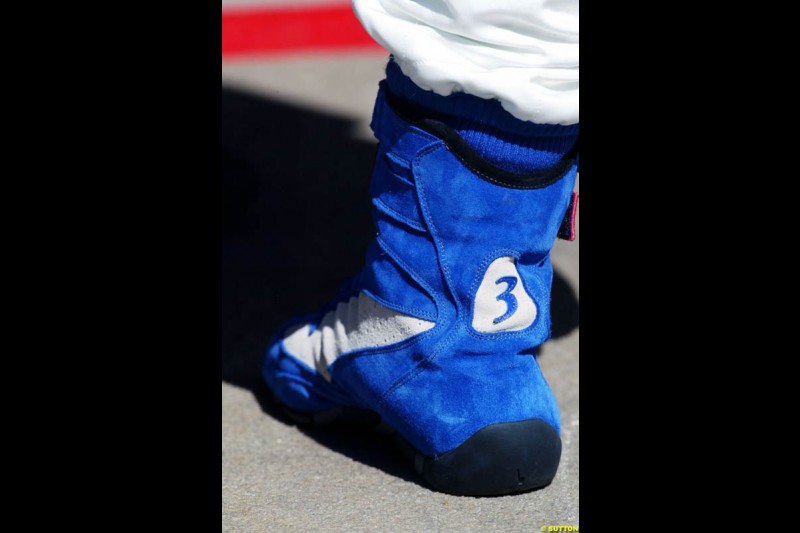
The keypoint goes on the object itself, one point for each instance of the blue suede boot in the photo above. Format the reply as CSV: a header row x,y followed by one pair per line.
x,y
436,335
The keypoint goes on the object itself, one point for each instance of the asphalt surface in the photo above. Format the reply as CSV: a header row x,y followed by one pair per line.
x,y
297,152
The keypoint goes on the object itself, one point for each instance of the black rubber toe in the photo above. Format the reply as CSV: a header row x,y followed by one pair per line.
x,y
498,459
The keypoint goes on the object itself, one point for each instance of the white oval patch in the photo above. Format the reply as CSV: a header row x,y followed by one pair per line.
x,y
501,302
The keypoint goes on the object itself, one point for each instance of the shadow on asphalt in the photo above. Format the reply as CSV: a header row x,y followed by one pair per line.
x,y
295,224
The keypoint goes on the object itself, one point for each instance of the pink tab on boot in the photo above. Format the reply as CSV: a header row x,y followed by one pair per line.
x,y
567,229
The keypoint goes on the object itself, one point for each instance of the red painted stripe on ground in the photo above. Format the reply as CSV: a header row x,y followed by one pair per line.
x,y
282,30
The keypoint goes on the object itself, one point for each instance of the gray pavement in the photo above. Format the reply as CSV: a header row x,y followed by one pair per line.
x,y
276,476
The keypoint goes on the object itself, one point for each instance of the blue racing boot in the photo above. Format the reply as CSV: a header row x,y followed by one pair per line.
x,y
436,335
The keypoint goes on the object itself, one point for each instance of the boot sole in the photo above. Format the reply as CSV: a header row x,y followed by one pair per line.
x,y
499,459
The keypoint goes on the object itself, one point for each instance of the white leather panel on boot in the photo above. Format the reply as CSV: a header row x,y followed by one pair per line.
x,y
358,323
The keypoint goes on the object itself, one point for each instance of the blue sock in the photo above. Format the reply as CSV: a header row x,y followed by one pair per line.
x,y
510,143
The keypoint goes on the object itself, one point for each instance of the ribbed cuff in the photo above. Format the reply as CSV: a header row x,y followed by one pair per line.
x,y
470,109
507,141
